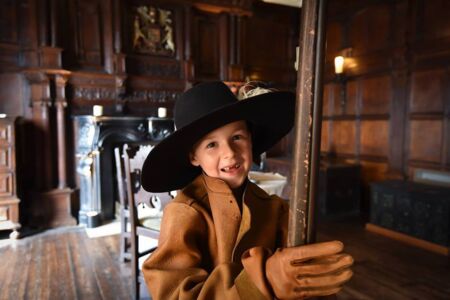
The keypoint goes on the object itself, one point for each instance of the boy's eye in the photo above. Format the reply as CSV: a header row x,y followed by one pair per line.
x,y
211,145
237,137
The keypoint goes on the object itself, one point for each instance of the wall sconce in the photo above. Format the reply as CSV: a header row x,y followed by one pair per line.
x,y
341,79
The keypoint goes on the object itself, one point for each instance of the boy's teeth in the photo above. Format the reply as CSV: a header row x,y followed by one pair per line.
x,y
226,169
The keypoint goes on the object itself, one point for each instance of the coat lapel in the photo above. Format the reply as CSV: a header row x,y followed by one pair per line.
x,y
226,215
258,218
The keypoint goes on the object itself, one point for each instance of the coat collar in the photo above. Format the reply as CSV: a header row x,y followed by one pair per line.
x,y
231,225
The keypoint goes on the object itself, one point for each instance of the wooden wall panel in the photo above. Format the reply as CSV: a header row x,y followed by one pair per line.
x,y
335,39
435,18
352,97
426,140
343,137
331,100
374,138
324,140
269,39
207,52
89,35
369,30
376,95
8,22
327,100
427,89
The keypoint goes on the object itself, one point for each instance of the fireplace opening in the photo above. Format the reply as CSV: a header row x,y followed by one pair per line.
x,y
96,138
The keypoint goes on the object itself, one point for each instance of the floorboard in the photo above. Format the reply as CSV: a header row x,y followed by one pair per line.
x,y
66,263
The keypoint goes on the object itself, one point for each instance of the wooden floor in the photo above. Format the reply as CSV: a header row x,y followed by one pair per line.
x,y
387,269
66,264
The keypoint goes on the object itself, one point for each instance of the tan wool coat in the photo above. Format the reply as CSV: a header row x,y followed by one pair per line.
x,y
209,249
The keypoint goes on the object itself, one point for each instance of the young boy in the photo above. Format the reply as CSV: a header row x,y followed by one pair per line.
x,y
220,235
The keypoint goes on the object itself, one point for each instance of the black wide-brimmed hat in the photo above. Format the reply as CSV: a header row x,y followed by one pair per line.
x,y
202,109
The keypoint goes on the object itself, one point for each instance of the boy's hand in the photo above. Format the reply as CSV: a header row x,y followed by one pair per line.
x,y
307,271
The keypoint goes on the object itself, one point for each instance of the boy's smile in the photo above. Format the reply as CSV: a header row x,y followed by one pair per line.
x,y
225,153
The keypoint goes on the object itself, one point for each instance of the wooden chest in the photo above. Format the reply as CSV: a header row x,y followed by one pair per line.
x,y
415,209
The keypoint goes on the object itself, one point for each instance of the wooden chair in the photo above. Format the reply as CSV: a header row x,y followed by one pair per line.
x,y
145,209
124,214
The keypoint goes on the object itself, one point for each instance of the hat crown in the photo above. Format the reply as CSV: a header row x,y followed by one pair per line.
x,y
200,101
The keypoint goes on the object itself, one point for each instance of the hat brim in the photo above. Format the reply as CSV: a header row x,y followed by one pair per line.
x,y
167,167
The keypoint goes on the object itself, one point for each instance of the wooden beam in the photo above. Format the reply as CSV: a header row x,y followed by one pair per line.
x,y
308,124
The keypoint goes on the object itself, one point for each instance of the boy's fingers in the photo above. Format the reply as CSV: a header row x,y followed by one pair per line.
x,y
323,282
302,253
325,265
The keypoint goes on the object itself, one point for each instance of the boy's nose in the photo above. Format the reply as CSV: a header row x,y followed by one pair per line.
x,y
228,150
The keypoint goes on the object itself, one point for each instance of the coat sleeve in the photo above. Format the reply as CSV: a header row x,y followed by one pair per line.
x,y
254,259
175,270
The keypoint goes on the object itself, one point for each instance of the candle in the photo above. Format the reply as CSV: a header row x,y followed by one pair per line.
x,y
162,112
97,110
339,64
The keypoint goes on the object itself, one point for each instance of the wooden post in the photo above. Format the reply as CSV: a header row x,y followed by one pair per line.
x,y
308,120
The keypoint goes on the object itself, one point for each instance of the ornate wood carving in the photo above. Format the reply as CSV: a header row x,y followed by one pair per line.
x,y
153,30
153,96
94,93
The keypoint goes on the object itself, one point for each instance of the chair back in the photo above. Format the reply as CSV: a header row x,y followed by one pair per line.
x,y
143,221
134,156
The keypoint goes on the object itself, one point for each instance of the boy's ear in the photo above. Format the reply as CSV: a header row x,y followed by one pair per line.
x,y
193,160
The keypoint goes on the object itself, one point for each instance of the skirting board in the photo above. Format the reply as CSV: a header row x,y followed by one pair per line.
x,y
408,239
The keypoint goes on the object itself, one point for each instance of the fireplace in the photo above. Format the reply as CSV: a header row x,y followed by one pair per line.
x,y
95,140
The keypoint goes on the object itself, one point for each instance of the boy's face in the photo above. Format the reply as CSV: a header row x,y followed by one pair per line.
x,y
225,153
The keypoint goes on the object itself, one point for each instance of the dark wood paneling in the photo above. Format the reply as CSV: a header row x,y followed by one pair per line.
x,y
370,29
8,22
426,140
343,137
433,19
207,53
374,138
397,94
269,39
376,94
90,20
328,100
427,91
324,141
352,98
335,39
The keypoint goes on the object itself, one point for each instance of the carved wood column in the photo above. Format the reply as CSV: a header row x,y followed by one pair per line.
x,y
61,104
60,199
50,198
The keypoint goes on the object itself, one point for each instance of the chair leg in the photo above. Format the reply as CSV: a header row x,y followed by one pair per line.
x,y
135,266
125,243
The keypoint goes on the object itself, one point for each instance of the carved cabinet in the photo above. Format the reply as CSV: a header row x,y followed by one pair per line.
x,y
9,203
